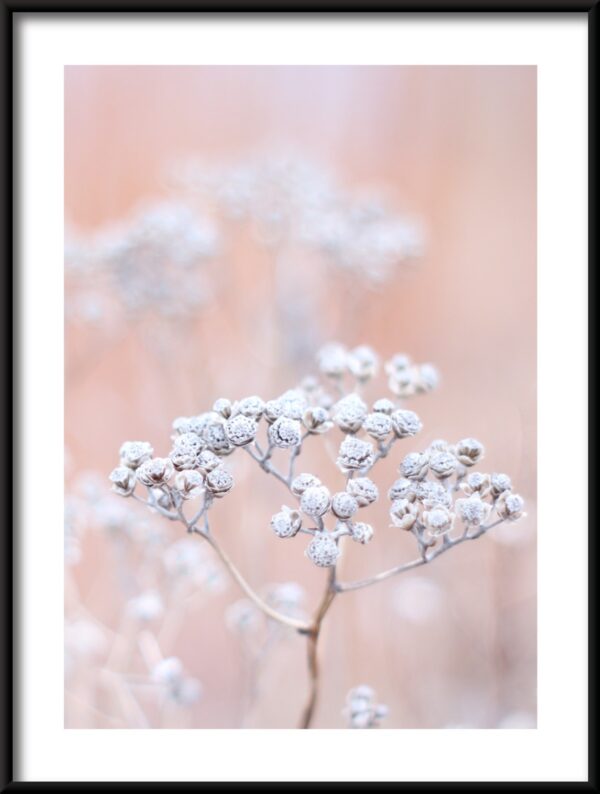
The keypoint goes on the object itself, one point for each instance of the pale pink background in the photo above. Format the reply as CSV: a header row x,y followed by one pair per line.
x,y
457,146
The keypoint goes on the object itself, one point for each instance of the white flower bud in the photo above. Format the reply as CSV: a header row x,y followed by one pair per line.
x,y
156,471
302,482
189,483
273,410
477,483
216,438
403,513
361,532
134,453
402,489
315,501
500,483
363,490
323,550
397,364
123,480
287,523
332,360
240,430
207,461
168,671
406,423
223,407
363,362
190,442
354,455
415,465
219,481
469,451
146,606
510,506
285,433
473,511
378,426
428,378
438,521
432,494
344,505
350,413
443,464
252,407
383,406
316,420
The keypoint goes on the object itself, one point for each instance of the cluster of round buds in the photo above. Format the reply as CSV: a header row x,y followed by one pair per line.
x,y
361,709
406,379
355,455
287,523
323,550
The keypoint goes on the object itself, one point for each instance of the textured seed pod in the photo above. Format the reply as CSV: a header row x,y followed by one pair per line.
x,y
315,501
323,551
361,532
134,453
219,481
344,505
302,482
287,523
156,471
363,490
469,451
240,430
123,480
285,433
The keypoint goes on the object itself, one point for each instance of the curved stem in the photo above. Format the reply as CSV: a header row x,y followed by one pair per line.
x,y
312,649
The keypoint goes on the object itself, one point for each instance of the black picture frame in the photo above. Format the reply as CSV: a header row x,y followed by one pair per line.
x,y
9,99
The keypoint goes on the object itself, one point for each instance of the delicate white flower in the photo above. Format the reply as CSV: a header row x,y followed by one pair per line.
x,y
287,523
207,461
240,430
469,451
383,406
216,438
402,489
355,454
415,465
252,407
397,364
302,482
440,445
189,442
293,404
123,480
323,550
350,413
500,483
510,506
438,521
428,378
403,513
315,501
316,420
378,426
432,494
285,433
443,464
344,505
273,410
219,481
223,407
473,510
156,471
193,424
184,458
476,483
189,483
406,423
332,360
363,490
363,362
361,532
134,453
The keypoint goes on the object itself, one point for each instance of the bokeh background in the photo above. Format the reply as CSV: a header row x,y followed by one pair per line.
x,y
449,645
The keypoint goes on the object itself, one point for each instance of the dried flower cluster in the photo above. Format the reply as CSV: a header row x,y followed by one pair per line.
x,y
437,496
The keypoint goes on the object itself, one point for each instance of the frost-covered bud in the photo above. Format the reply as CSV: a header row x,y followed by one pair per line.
x,y
302,482
343,505
415,465
473,510
223,407
510,506
361,532
323,550
383,406
443,464
363,490
252,407
273,410
469,451
428,378
332,360
190,442
431,494
284,433
397,364
363,362
476,483
287,523
207,461
402,489
146,606
378,426
406,423
354,455
440,445
316,420
240,430
216,438
293,404
189,483
438,521
403,513
315,501
219,481
500,483
192,424
183,458
350,413
123,480
134,453
156,471
168,671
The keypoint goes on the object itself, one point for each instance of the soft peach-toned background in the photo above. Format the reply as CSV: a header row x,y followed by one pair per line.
x,y
455,145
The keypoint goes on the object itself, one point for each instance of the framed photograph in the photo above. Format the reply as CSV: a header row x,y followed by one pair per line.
x,y
300,396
